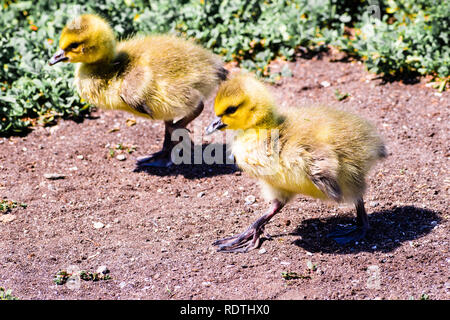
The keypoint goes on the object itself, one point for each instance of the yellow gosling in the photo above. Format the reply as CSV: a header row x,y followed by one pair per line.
x,y
317,151
160,77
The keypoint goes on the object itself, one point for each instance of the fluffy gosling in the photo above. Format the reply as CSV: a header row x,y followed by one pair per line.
x,y
160,77
320,152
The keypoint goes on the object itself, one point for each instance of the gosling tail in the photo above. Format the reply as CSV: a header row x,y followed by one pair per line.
x,y
382,151
222,73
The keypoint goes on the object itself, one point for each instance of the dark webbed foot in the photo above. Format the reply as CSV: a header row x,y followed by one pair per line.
x,y
346,235
161,159
251,238
246,241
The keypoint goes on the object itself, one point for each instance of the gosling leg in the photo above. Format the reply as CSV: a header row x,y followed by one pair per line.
x,y
345,235
249,239
162,159
182,123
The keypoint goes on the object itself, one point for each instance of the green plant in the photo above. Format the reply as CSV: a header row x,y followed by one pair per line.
x,y
410,37
7,294
289,275
341,96
30,91
7,205
62,276
424,296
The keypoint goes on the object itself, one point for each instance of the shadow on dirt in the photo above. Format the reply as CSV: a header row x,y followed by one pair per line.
x,y
388,230
207,160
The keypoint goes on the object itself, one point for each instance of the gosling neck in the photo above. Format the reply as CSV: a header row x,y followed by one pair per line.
x,y
104,66
272,119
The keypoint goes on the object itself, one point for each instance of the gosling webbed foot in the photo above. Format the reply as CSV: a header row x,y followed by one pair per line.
x,y
161,159
348,234
244,242
251,238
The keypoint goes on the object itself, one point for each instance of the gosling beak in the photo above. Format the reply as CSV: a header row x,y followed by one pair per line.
x,y
216,124
58,57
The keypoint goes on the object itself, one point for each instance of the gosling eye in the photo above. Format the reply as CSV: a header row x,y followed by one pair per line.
x,y
73,45
231,110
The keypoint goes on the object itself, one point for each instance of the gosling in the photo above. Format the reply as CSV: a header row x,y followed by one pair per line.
x,y
321,152
160,77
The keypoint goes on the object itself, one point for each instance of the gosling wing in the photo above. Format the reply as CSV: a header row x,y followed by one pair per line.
x,y
323,170
134,89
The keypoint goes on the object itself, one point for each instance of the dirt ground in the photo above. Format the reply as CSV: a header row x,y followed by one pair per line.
x,y
153,229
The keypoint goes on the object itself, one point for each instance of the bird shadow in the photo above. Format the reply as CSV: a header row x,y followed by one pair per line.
x,y
206,160
388,230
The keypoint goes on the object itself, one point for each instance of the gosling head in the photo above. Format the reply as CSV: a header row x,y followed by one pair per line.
x,y
86,39
241,103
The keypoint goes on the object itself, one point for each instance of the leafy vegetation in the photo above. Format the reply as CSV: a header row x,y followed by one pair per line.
x,y
62,276
391,37
412,37
290,275
6,294
7,205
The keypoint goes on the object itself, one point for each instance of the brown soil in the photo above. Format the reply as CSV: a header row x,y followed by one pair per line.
x,y
159,225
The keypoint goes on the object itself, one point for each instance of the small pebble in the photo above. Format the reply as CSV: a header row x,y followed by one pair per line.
x,y
325,84
102,270
262,251
121,157
284,263
80,157
5,218
98,225
201,194
250,200
206,283
122,285
53,129
54,176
